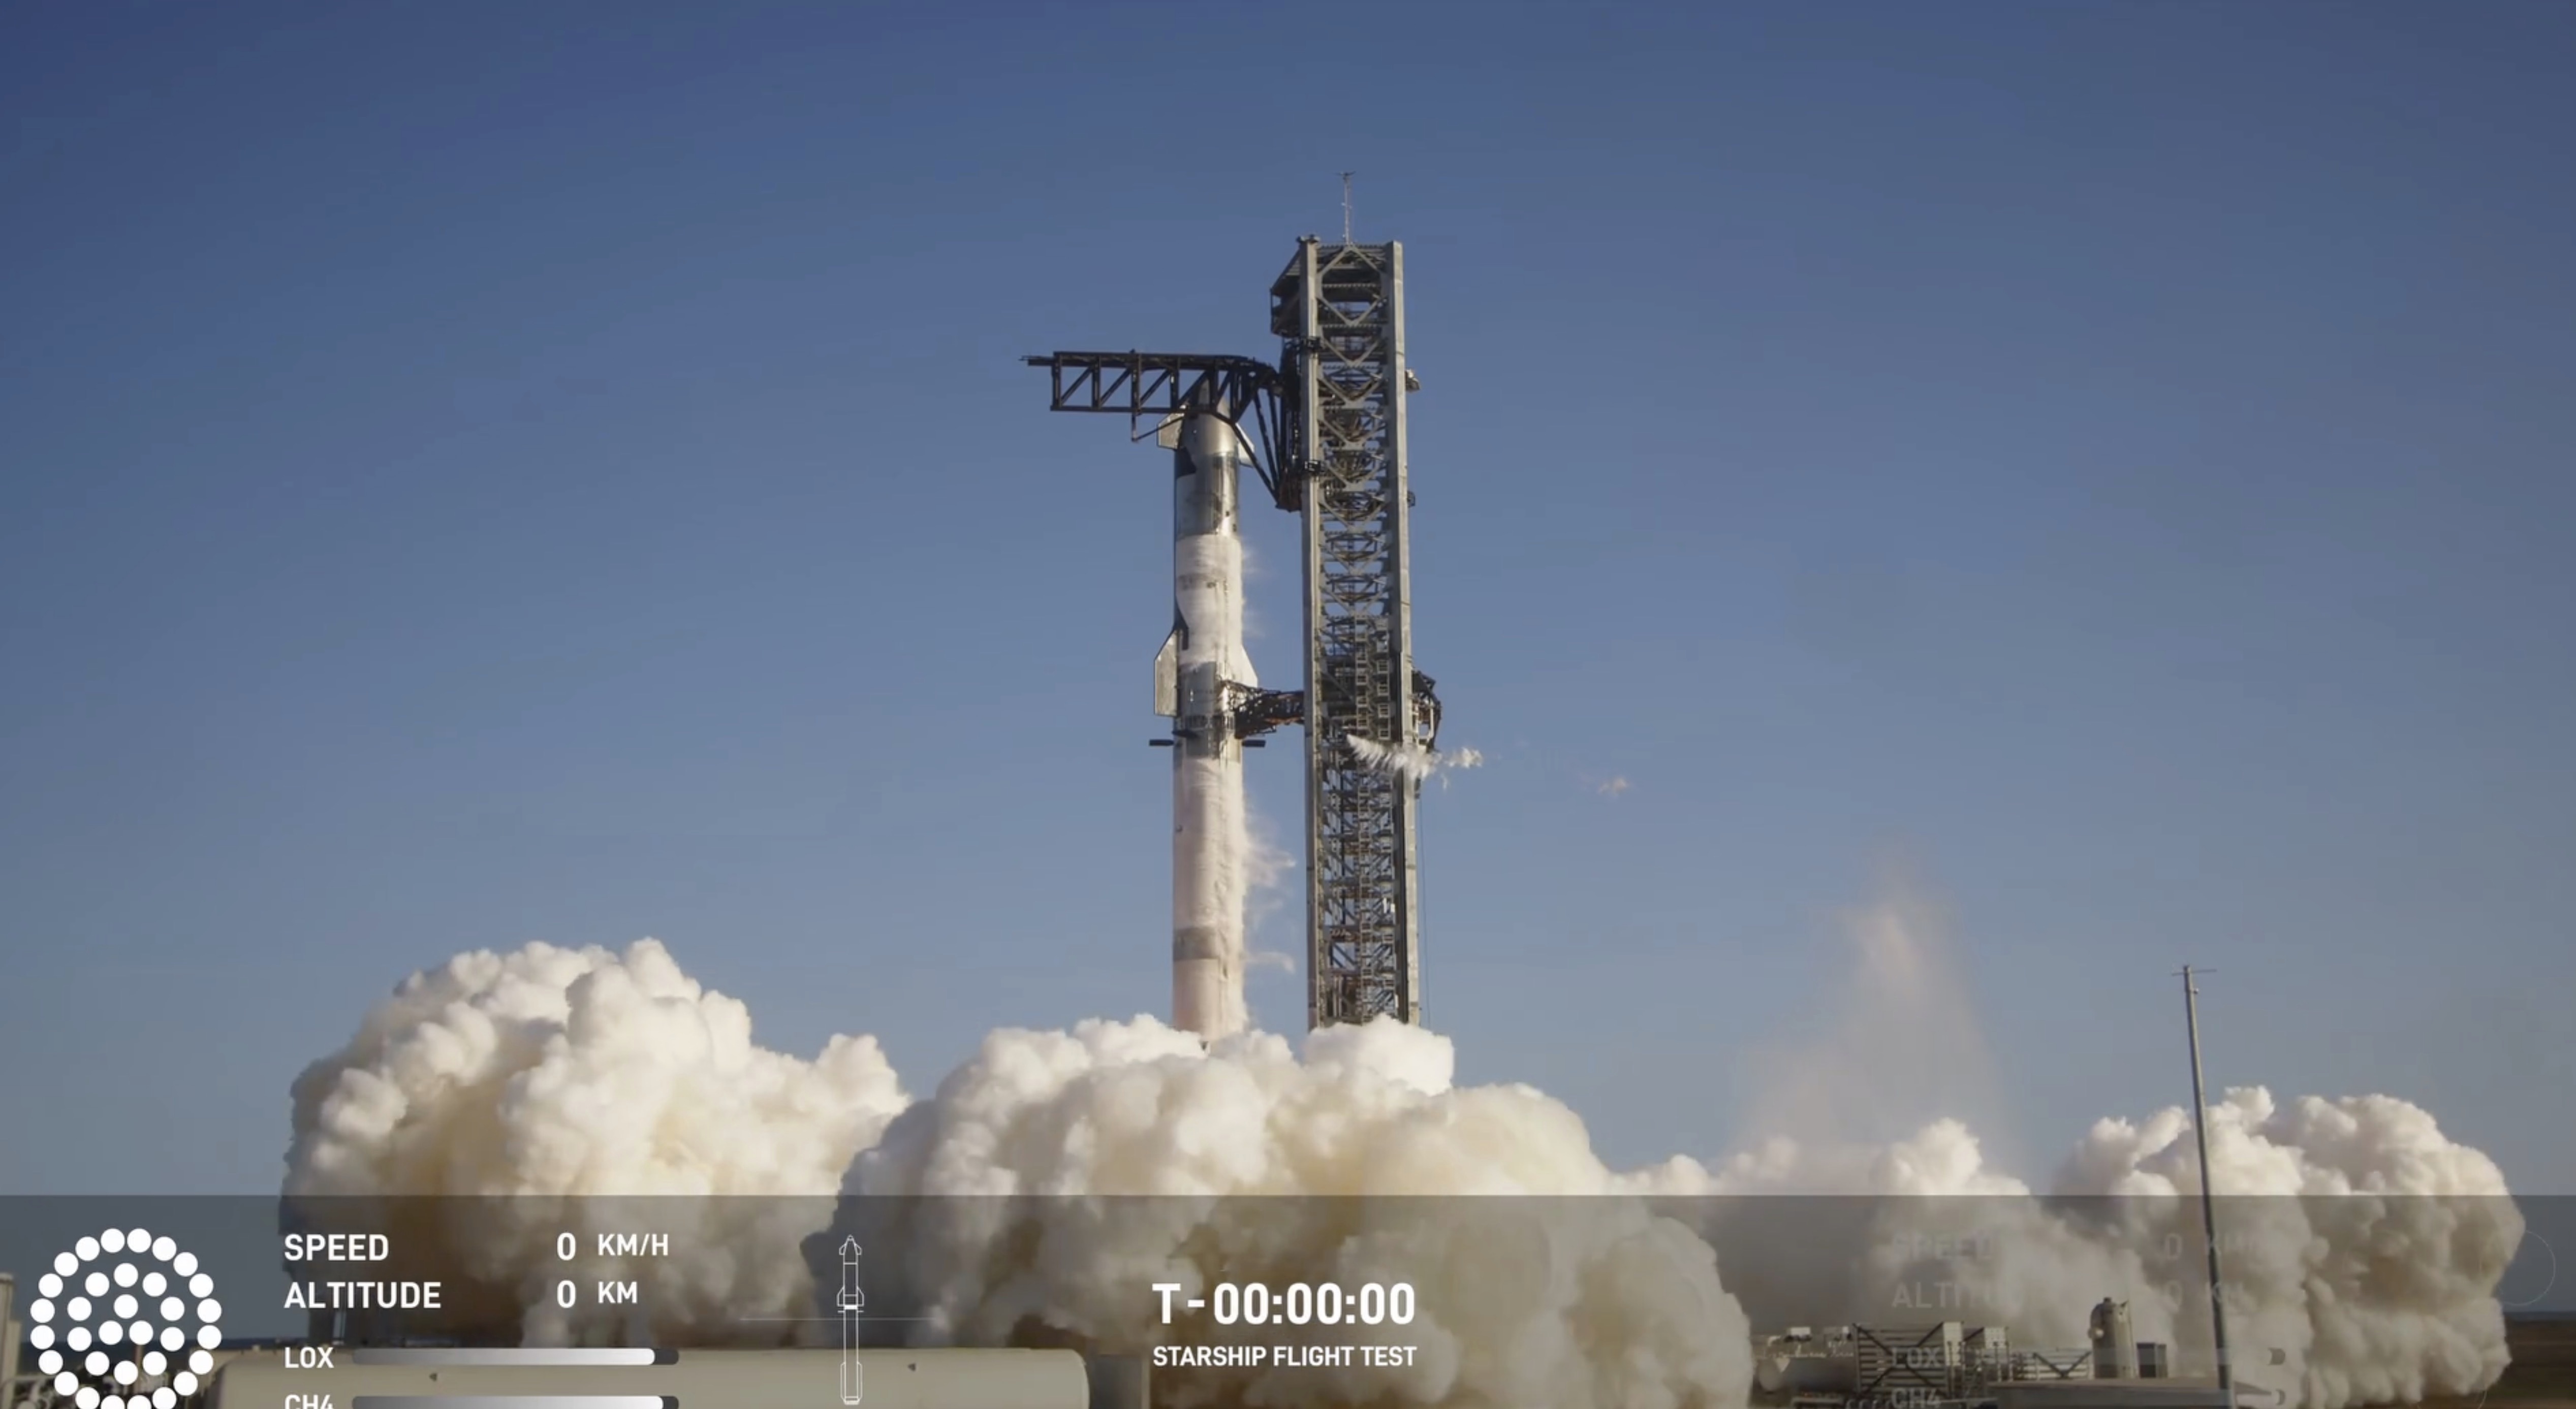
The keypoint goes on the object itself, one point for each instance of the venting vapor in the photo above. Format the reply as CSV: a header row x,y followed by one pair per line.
x,y
1201,677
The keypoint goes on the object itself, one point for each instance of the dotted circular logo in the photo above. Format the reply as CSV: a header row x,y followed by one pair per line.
x,y
125,1320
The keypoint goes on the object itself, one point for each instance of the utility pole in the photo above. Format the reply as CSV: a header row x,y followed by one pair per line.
x,y
2208,1205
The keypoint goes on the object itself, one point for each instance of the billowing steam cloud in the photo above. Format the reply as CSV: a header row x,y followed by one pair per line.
x,y
2366,1300
2368,1252
1606,1305
2361,1247
585,1072
560,1072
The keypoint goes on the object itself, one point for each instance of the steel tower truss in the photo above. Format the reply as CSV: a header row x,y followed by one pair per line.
x,y
1341,310
1328,424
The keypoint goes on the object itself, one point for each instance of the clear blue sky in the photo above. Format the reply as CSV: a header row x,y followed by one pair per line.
x,y
481,473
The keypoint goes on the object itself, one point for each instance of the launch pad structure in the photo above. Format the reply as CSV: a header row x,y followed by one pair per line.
x,y
1324,428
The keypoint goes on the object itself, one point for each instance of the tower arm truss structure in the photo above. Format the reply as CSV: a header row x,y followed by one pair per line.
x,y
1328,421
1141,384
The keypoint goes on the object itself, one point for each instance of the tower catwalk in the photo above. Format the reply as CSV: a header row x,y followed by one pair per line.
x,y
1325,430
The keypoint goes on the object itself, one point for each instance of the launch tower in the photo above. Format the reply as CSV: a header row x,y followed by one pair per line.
x,y
1325,429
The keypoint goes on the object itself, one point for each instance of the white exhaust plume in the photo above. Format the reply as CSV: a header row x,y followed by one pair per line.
x,y
1609,1305
2361,1247
553,1071
2355,1238
585,1072
1831,1233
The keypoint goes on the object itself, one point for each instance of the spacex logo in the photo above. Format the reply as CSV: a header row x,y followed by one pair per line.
x,y
125,1320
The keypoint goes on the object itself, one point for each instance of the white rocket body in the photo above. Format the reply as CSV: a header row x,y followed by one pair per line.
x,y
1199,677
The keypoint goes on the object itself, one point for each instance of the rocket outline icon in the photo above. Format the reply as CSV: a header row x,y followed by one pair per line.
x,y
852,1301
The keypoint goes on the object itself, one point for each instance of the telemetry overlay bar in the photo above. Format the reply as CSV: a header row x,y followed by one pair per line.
x,y
517,1401
540,1355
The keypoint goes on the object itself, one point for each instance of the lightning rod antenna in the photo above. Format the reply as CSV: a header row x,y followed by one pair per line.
x,y
1346,207
2208,1204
